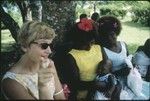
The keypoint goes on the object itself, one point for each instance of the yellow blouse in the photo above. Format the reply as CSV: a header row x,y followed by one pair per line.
x,y
87,61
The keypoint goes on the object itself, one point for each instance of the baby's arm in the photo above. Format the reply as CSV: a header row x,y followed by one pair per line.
x,y
122,72
111,85
101,86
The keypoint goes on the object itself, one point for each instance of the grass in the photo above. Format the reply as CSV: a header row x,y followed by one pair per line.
x,y
6,41
134,35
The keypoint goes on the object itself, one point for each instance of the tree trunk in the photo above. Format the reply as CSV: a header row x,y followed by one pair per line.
x,y
36,8
94,6
59,15
10,23
24,7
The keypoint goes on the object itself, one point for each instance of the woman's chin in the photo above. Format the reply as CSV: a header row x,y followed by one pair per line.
x,y
44,58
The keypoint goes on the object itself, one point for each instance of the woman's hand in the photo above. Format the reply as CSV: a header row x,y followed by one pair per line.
x,y
46,82
46,72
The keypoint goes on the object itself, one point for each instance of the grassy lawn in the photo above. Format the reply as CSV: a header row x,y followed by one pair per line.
x,y
134,35
6,41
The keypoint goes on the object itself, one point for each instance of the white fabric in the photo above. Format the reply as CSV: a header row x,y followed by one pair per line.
x,y
99,96
127,94
105,78
136,86
135,76
102,78
146,89
118,59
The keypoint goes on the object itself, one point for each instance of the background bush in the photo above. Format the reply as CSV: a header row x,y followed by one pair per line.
x,y
141,14
113,10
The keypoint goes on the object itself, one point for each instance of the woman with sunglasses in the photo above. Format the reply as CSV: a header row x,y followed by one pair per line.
x,y
34,76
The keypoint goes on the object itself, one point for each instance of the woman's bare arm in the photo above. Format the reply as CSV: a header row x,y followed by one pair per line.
x,y
13,90
59,94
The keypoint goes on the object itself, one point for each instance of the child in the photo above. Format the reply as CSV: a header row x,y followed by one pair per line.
x,y
82,60
110,87
141,59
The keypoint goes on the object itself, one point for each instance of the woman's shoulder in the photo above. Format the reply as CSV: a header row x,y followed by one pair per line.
x,y
124,46
122,43
17,83
10,75
9,84
11,89
96,46
20,78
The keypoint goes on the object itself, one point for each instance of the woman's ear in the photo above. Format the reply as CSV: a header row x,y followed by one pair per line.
x,y
24,49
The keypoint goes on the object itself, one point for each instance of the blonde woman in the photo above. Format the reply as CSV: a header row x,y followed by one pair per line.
x,y
34,76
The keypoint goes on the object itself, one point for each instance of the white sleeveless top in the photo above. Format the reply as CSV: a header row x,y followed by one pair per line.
x,y
118,59
30,83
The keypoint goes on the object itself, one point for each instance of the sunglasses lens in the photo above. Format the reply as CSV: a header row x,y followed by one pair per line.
x,y
44,45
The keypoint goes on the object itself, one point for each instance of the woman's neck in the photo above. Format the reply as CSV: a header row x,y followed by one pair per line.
x,y
115,47
111,45
26,66
83,47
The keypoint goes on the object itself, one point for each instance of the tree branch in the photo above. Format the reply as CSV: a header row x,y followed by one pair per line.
x,y
10,23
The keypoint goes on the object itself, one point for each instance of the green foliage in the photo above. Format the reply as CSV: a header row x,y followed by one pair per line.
x,y
141,13
112,10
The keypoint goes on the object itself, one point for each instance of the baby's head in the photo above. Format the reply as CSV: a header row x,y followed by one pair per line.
x,y
104,67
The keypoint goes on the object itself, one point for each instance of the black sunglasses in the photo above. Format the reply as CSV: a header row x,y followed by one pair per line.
x,y
43,45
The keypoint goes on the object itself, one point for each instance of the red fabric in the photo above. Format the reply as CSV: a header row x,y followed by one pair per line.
x,y
85,24
66,90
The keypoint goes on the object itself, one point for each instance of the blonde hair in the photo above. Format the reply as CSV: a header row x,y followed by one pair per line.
x,y
34,30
